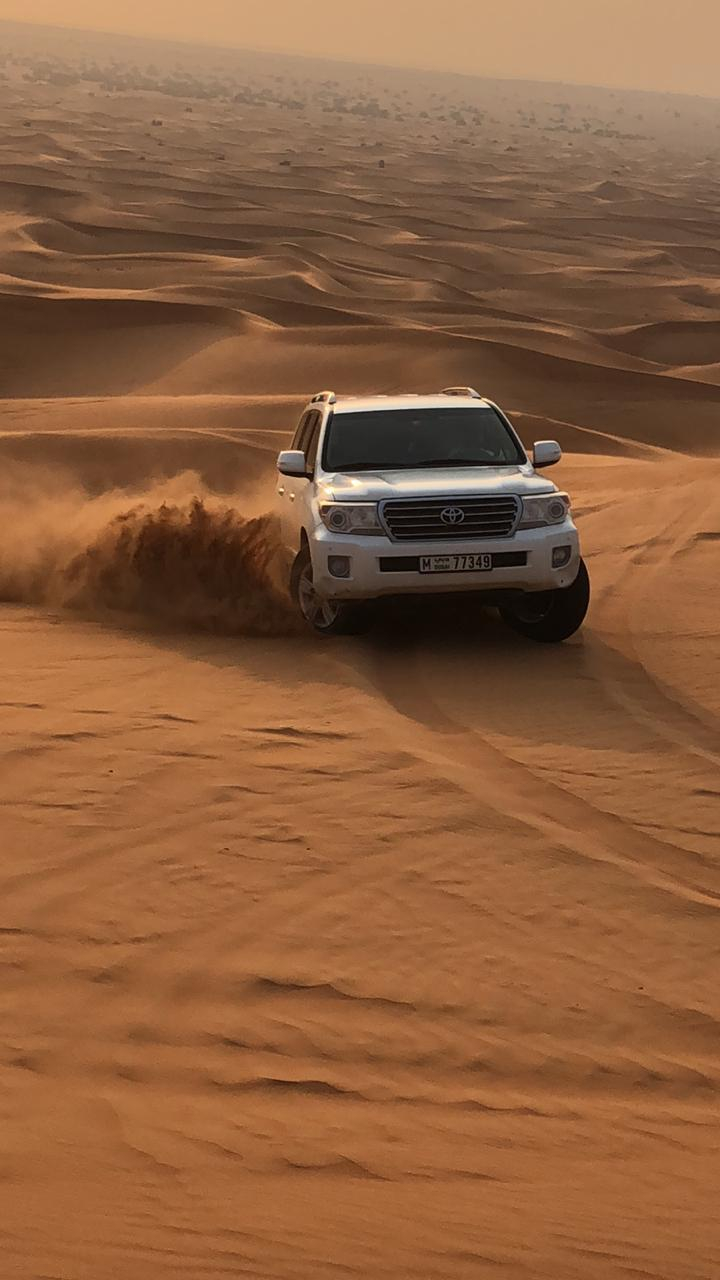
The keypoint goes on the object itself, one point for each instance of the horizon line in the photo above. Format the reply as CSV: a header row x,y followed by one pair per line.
x,y
338,59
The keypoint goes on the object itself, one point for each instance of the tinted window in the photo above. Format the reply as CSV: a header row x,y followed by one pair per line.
x,y
301,432
310,448
408,438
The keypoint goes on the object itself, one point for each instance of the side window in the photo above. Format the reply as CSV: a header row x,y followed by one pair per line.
x,y
311,446
301,431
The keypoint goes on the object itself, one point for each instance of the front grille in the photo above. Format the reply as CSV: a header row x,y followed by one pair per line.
x,y
456,519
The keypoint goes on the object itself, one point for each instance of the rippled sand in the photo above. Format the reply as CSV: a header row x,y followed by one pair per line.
x,y
383,958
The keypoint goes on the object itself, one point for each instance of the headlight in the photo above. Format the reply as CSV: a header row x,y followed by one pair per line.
x,y
350,517
551,508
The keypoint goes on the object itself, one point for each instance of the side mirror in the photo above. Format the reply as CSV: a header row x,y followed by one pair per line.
x,y
546,453
291,462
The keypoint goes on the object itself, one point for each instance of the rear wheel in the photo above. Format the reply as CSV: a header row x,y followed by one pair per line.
x,y
326,617
550,616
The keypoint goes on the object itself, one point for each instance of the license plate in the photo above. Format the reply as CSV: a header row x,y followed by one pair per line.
x,y
456,563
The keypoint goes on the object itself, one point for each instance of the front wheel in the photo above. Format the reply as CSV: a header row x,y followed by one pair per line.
x,y
550,616
326,617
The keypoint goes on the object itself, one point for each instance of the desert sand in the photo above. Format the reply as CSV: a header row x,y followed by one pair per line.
x,y
384,958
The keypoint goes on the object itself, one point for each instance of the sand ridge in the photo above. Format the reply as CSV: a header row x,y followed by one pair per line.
x,y
388,958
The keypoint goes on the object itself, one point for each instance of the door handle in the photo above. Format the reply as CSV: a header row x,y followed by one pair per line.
x,y
292,497
281,489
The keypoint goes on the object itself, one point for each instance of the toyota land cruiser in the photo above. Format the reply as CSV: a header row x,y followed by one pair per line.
x,y
414,495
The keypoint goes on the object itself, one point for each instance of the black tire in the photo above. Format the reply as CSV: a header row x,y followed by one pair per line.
x,y
325,617
550,616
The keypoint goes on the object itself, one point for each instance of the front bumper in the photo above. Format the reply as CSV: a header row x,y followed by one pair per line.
x,y
380,567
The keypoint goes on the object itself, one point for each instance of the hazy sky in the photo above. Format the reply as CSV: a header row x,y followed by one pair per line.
x,y
657,44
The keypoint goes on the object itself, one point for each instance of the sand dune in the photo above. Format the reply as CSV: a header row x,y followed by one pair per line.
x,y
393,958
674,344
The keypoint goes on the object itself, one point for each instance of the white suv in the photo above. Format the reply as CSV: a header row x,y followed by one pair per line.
x,y
415,495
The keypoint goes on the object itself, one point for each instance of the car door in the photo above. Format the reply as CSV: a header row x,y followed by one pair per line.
x,y
299,487
285,484
288,487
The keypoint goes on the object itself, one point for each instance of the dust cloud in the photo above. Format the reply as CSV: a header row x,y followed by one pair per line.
x,y
174,554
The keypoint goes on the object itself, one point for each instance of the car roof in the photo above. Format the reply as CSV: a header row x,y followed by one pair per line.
x,y
355,404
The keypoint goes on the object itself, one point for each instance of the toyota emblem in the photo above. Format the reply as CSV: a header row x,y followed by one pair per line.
x,y
452,515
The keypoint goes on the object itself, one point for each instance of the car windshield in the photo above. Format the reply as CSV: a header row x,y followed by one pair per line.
x,y
399,439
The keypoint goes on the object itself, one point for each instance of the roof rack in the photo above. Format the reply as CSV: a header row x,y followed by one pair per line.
x,y
324,397
461,391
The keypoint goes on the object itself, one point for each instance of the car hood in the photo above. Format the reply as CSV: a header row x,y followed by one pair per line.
x,y
435,482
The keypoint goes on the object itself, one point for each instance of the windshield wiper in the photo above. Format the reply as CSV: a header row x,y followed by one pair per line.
x,y
460,462
347,467
427,462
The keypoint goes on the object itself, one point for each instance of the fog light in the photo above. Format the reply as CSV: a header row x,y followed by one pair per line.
x,y
561,557
339,566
